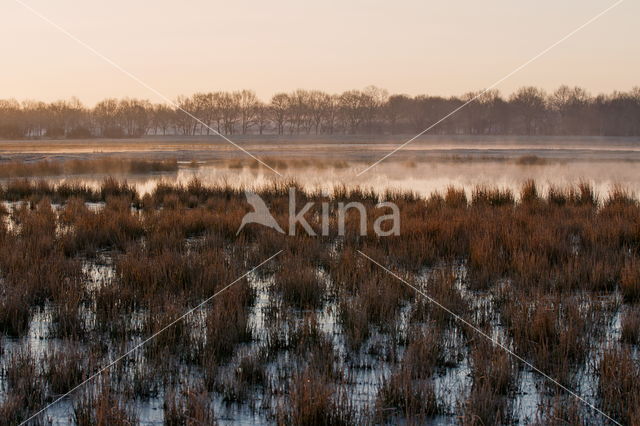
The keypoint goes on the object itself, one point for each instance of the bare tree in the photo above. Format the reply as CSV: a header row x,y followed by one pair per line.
x,y
204,108
528,111
263,116
373,99
318,103
330,110
162,118
396,111
229,104
279,110
247,104
298,110
106,115
569,106
352,105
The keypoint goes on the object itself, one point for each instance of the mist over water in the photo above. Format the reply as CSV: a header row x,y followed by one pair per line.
x,y
422,178
430,164
423,169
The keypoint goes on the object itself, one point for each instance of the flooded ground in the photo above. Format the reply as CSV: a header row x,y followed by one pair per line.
x,y
422,178
362,371
361,375
426,165
343,147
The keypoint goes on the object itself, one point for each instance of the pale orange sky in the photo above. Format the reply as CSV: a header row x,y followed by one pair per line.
x,y
436,47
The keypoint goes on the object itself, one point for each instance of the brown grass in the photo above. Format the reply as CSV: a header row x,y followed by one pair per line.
x,y
561,411
314,401
190,407
14,314
298,283
101,406
402,397
226,325
630,281
106,165
26,392
630,332
554,333
619,385
534,268
65,368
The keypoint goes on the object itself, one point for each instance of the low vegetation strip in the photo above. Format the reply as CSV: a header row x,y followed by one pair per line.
x,y
109,165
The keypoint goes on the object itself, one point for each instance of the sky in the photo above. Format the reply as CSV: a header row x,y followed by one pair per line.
x,y
405,46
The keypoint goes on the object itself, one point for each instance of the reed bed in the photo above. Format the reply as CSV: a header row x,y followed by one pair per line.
x,y
545,274
106,165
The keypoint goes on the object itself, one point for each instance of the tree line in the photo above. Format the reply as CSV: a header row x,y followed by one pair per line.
x,y
528,111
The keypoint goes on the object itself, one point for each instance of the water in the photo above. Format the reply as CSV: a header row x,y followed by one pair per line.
x,y
431,163
464,166
422,178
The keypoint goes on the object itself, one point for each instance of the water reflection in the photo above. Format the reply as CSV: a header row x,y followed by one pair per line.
x,y
423,178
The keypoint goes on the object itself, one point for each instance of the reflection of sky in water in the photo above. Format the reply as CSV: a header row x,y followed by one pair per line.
x,y
423,178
